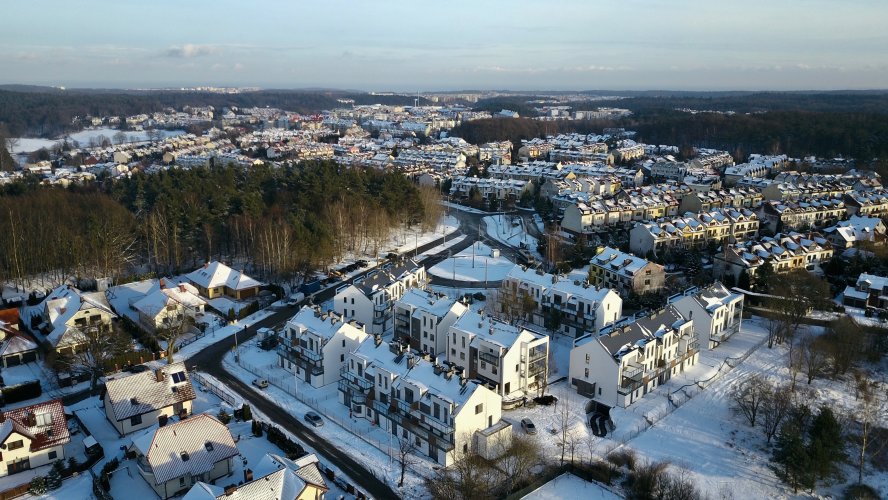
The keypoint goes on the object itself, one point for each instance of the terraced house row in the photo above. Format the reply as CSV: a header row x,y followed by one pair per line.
x,y
693,231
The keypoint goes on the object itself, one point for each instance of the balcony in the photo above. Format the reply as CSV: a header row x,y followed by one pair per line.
x,y
628,388
536,367
489,358
633,372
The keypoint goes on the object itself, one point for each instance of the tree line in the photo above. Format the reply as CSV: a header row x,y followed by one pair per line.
x,y
281,221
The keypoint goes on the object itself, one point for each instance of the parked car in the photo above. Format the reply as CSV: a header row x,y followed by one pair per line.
x,y
362,263
528,426
268,343
260,383
314,419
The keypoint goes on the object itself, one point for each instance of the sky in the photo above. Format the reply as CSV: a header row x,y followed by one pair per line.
x,y
448,45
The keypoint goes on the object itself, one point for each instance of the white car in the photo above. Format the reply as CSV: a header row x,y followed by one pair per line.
x,y
260,383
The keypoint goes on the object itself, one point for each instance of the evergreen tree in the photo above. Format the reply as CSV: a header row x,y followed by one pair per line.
x,y
791,461
54,477
825,448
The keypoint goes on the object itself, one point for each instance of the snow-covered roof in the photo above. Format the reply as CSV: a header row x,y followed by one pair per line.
x,y
190,447
483,327
276,485
873,281
626,336
16,344
141,393
216,274
621,262
322,324
306,467
427,301
183,293
43,423
63,303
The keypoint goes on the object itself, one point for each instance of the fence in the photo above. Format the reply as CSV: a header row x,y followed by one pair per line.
x,y
217,389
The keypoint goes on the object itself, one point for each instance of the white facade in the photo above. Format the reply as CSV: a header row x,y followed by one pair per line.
x,y
423,318
717,312
371,300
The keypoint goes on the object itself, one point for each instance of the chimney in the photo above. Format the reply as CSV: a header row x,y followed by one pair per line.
x,y
231,488
182,287
206,265
159,375
162,283
248,475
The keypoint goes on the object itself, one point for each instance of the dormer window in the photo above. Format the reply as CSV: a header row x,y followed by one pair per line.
x,y
185,456
209,446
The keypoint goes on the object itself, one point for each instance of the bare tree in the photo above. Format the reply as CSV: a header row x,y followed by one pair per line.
x,y
406,455
749,397
469,477
774,410
796,362
518,459
566,419
119,137
774,324
813,356
93,350
173,326
872,405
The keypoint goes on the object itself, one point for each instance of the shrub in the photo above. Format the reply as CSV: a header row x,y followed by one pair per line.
x,y
622,458
54,478
22,392
246,413
257,428
861,492
546,400
224,417
38,485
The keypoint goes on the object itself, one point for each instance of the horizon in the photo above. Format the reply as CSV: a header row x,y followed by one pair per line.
x,y
398,46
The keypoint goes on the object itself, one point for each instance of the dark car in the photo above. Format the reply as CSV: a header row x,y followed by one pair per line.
x,y
314,419
362,263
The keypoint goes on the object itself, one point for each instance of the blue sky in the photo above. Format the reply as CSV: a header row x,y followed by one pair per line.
x,y
445,45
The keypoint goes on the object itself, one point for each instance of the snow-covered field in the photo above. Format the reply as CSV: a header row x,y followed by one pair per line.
x,y
483,267
567,486
510,230
30,144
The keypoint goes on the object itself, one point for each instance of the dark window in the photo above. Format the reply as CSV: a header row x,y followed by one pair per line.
x,y
209,446
185,456
15,445
136,420
52,455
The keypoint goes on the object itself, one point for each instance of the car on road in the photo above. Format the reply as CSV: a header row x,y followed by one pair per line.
x,y
314,419
260,383
527,425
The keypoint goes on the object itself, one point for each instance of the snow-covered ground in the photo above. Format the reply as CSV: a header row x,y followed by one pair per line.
x,y
30,144
463,208
569,486
510,230
483,267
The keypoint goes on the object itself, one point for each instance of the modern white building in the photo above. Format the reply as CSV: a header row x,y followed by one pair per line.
x,y
423,318
625,361
370,300
512,361
716,311
313,345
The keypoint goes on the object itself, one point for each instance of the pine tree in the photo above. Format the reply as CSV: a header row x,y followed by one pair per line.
x,y
825,448
791,461
54,477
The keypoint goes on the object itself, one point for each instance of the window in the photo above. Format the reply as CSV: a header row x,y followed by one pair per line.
x,y
44,419
462,356
178,377
587,358
182,481
343,342
184,456
136,420
52,455
587,372
15,445
479,408
345,300
209,446
342,357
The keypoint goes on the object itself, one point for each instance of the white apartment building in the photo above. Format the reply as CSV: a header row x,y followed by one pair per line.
x,y
624,362
717,312
370,300
512,361
313,345
423,319
569,306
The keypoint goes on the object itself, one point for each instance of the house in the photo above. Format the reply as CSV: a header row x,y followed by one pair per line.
x,y
167,306
276,478
784,252
423,318
138,401
781,216
32,436
629,359
429,405
717,312
693,231
625,273
370,300
561,303
849,233
69,314
215,279
16,347
313,344
869,291
172,458
512,361
867,203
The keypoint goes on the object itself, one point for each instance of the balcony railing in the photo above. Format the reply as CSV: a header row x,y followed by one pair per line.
x,y
489,358
633,371
628,388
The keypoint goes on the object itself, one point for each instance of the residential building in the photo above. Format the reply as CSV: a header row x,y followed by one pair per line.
x,y
370,300
693,231
669,170
69,315
717,312
815,213
313,344
276,478
744,170
570,306
16,347
137,401
215,279
848,233
869,291
627,360
625,272
173,458
169,306
427,404
423,318
867,203
785,252
487,349
32,436
504,190
737,198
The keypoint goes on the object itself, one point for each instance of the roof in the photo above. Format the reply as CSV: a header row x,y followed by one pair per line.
x,y
43,423
622,262
190,447
276,485
215,274
141,393
306,467
16,344
183,293
9,320
427,301
64,302
486,328
624,337
386,276
321,324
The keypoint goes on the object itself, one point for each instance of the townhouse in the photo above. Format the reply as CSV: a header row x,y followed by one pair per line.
x,y
370,300
625,272
737,197
432,406
32,436
712,160
313,344
784,252
560,303
869,291
717,312
423,318
630,177
70,316
627,360
693,231
173,458
215,279
487,350
137,401
497,153
507,190
669,170
801,189
815,213
863,203
849,233
737,172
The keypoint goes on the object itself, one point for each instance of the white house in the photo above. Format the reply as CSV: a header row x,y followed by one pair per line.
x,y
627,360
716,311
848,233
276,478
441,413
69,314
423,318
32,436
313,345
370,300
138,401
168,306
512,361
174,457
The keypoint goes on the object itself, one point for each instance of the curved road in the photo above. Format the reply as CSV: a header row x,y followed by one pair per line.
x,y
209,359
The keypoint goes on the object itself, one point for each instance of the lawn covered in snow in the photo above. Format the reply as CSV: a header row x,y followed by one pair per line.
x,y
569,486
510,230
483,267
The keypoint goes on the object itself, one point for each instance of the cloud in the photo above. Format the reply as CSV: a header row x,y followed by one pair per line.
x,y
190,50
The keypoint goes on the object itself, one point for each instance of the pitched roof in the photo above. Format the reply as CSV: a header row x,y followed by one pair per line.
x,y
63,303
307,467
15,344
278,485
192,446
141,393
50,427
215,274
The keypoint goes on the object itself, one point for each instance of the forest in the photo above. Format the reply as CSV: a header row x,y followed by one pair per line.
x,y
276,223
